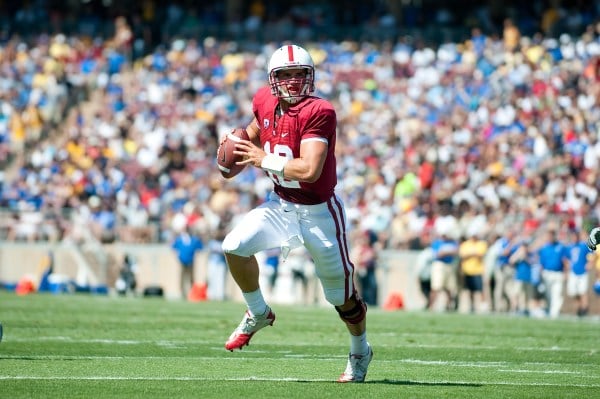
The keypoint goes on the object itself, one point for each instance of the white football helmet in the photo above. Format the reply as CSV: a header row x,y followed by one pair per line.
x,y
294,89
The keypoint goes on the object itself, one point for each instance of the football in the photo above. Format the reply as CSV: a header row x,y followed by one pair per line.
x,y
226,159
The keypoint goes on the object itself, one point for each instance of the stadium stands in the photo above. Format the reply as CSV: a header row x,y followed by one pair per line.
x,y
109,126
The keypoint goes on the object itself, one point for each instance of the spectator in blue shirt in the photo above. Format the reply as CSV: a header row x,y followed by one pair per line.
x,y
523,259
578,278
553,256
444,269
503,273
102,219
186,247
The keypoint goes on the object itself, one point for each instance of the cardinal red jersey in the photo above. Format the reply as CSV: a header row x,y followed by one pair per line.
x,y
313,118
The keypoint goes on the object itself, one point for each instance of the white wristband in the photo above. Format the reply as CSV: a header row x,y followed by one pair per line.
x,y
274,164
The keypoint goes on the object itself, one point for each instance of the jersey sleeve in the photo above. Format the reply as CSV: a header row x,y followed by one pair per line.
x,y
322,124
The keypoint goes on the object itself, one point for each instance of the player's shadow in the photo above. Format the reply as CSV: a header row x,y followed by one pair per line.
x,y
423,383
416,383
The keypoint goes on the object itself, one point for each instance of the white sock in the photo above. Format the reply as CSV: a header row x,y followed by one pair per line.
x,y
358,344
255,301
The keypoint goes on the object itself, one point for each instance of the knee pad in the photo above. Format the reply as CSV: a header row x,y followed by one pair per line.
x,y
356,314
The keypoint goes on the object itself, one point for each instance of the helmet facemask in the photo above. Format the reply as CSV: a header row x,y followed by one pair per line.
x,y
292,89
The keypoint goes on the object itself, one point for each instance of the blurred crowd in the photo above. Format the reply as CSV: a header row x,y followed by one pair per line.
x,y
497,132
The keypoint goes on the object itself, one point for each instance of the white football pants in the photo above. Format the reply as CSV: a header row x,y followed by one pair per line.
x,y
320,228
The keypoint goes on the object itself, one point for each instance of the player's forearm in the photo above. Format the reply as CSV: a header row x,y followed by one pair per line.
x,y
300,169
296,169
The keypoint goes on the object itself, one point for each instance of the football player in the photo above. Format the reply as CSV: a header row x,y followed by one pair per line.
x,y
292,139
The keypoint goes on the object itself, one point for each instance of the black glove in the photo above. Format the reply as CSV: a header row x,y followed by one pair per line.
x,y
594,238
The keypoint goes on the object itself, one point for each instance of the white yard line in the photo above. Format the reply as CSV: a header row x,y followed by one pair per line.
x,y
503,367
227,356
200,342
272,379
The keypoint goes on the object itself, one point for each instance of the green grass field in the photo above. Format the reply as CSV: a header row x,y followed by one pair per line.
x,y
82,346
